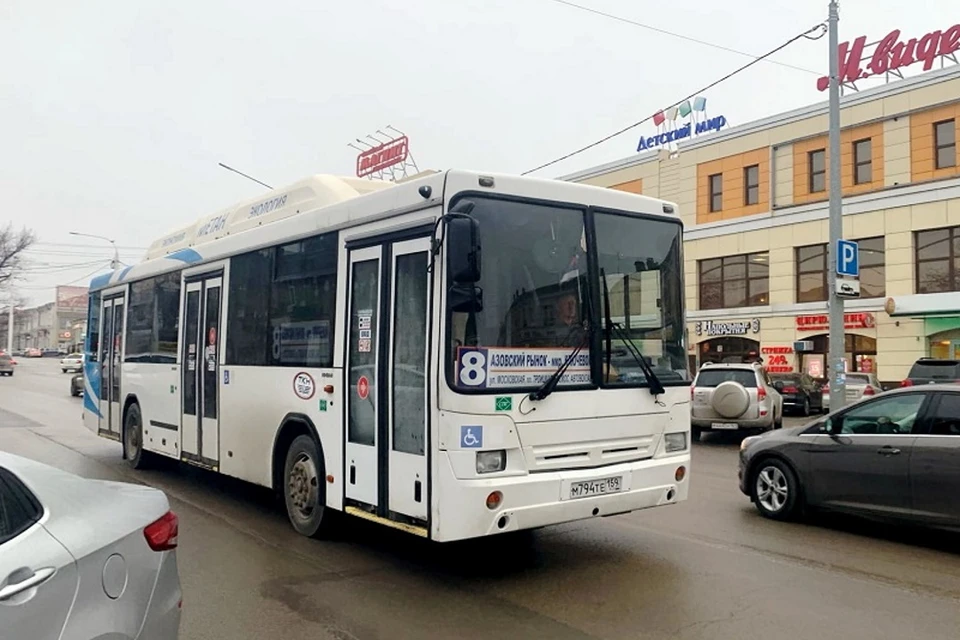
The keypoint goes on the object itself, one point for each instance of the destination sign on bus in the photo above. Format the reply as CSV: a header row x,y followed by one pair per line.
x,y
500,367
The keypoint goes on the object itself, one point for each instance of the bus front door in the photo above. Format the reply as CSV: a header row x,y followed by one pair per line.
x,y
387,358
111,359
200,372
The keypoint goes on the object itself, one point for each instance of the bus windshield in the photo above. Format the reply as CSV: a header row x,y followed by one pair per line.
x,y
537,300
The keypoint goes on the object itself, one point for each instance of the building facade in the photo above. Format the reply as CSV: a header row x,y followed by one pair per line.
x,y
753,200
59,325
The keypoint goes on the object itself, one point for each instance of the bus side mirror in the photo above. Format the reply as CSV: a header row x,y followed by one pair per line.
x,y
465,299
463,248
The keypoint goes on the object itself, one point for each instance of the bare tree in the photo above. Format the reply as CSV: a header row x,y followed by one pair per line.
x,y
13,244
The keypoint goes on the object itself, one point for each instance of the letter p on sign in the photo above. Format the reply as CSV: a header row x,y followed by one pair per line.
x,y
848,258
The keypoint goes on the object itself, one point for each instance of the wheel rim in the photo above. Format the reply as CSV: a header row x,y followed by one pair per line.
x,y
772,489
133,440
303,487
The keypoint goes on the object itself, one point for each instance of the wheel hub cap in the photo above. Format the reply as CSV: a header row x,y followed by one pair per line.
x,y
302,487
772,490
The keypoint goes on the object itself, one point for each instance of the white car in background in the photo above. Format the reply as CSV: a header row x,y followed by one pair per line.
x,y
84,558
72,362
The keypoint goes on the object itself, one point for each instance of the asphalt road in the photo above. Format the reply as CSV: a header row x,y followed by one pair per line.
x,y
709,568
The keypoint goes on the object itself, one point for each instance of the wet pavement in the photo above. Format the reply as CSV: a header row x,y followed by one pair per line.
x,y
707,569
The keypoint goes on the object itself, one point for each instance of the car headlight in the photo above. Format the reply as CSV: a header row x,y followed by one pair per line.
x,y
675,441
491,461
746,442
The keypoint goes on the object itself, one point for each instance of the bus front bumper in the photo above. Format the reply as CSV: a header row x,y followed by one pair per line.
x,y
543,499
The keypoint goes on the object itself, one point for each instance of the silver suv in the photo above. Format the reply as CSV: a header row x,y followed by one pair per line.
x,y
734,397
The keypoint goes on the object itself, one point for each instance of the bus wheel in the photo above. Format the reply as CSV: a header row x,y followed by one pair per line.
x,y
304,489
133,438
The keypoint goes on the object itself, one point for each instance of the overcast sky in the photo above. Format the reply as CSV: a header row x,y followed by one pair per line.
x,y
115,113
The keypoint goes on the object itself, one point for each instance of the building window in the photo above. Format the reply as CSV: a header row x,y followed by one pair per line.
x,y
873,276
751,185
945,143
862,161
716,191
937,250
812,273
817,163
735,281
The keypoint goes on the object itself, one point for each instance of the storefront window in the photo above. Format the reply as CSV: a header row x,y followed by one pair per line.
x,y
735,281
860,354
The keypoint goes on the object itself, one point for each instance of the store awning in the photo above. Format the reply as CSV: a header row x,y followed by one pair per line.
x,y
924,305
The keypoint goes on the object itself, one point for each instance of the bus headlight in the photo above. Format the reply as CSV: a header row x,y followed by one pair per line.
x,y
675,441
491,461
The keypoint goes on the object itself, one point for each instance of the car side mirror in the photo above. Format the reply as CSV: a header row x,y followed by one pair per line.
x,y
463,248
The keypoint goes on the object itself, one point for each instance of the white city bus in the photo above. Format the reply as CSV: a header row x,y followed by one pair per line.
x,y
342,342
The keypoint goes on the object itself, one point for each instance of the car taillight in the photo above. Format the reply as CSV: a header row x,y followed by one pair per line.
x,y
162,534
761,394
789,389
869,391
907,383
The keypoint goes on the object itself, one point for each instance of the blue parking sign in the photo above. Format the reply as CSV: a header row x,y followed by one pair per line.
x,y
848,258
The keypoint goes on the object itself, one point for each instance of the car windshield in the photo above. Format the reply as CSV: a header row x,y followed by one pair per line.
x,y
785,379
537,301
713,377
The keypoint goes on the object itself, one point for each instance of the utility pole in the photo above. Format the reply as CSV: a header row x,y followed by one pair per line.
x,y
835,368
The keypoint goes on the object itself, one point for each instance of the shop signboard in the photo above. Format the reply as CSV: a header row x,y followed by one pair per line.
x,y
861,320
383,156
715,329
694,122
778,359
892,54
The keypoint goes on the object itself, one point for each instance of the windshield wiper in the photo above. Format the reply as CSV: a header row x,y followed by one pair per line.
x,y
656,387
550,385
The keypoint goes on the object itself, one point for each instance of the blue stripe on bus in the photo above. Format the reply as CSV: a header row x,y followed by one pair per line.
x,y
100,281
123,274
188,256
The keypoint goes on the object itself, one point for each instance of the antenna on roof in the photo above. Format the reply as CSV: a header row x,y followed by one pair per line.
x,y
245,175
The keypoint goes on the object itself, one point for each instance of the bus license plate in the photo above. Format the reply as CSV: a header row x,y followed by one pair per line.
x,y
724,425
613,484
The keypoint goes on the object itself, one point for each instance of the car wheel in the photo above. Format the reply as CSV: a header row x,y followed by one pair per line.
x,y
775,489
695,433
64,370
806,407
304,488
778,423
74,392
133,439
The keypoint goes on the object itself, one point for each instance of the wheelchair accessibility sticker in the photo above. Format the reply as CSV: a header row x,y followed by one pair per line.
x,y
471,437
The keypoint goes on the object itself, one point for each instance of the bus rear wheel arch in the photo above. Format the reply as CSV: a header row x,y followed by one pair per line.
x,y
133,436
299,477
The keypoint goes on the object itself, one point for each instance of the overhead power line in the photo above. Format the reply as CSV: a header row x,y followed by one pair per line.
x,y
822,28
674,34
84,278
81,245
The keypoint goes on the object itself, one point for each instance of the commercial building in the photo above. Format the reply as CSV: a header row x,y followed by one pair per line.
x,y
753,199
59,325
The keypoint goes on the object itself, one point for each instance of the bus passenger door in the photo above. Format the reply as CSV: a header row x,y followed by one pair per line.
x,y
200,371
387,394
111,359
407,377
363,401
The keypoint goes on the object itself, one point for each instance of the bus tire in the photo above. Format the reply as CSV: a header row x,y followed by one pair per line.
x,y
133,438
304,488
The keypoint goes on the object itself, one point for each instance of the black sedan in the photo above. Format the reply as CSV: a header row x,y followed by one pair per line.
x,y
800,392
894,456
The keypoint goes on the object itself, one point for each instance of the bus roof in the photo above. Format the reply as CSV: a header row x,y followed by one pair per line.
x,y
306,195
323,203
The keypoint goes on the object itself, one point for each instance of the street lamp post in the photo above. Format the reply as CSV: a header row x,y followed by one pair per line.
x,y
116,254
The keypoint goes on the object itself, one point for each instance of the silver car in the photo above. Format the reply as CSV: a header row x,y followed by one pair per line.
x,y
84,558
860,385
734,397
